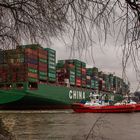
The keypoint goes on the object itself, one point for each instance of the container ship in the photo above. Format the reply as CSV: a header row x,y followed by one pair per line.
x,y
30,78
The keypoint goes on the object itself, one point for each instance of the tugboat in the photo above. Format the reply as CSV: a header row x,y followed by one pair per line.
x,y
128,100
99,106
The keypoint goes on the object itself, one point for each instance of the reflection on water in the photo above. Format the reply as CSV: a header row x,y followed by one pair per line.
x,y
66,125
5,133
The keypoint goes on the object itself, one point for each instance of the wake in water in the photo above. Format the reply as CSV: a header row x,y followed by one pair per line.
x,y
37,111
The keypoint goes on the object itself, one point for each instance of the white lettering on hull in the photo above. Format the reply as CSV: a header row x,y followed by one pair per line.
x,y
73,94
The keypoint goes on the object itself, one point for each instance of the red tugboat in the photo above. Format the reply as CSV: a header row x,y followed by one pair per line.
x,y
95,107
129,100
137,105
82,108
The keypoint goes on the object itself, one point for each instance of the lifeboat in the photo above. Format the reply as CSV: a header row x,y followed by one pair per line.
x,y
83,108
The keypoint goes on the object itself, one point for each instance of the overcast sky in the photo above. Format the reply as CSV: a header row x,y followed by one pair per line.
x,y
107,58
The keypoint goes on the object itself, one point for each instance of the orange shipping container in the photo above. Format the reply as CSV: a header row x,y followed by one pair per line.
x,y
42,51
42,56
71,65
28,50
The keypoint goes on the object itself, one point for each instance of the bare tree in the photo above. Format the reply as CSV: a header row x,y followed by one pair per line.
x,y
42,19
37,20
30,20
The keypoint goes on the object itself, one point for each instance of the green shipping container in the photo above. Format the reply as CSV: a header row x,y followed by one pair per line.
x,y
92,82
51,63
42,77
50,50
42,73
51,56
88,86
77,74
32,79
32,70
32,46
78,71
51,75
51,67
83,64
43,60
59,65
51,59
61,62
72,76
72,79
72,72
72,83
50,70
51,79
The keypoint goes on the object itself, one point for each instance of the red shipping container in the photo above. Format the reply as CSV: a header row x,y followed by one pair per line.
x,y
78,84
35,52
83,70
44,69
83,82
42,65
21,78
21,74
32,66
31,56
31,52
78,81
33,75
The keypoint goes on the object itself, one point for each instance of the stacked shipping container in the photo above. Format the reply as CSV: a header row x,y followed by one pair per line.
x,y
117,83
51,59
27,63
66,72
93,79
33,63
42,65
74,72
84,71
107,84
78,72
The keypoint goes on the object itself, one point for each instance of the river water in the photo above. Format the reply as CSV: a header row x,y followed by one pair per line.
x,y
67,125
